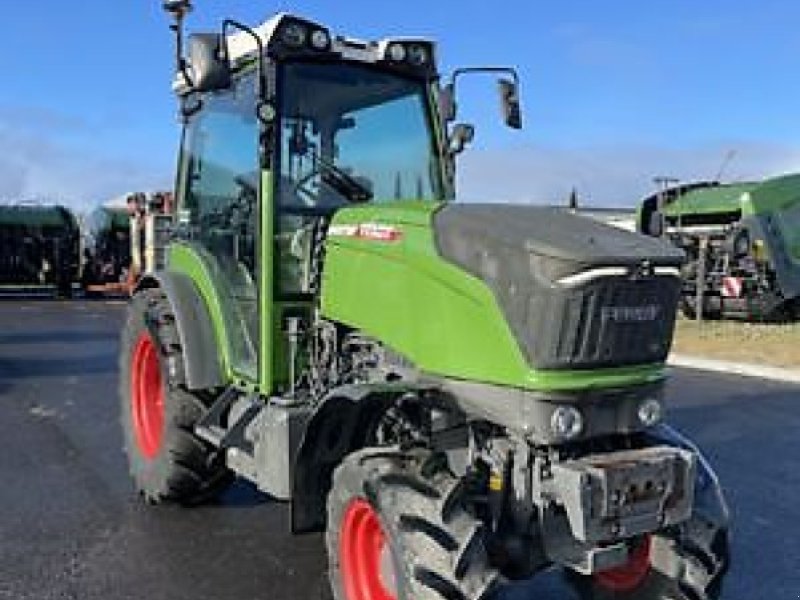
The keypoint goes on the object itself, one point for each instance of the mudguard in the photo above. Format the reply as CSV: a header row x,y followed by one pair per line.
x,y
709,501
340,425
202,367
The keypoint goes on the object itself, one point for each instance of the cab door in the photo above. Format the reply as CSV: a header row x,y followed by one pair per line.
x,y
217,219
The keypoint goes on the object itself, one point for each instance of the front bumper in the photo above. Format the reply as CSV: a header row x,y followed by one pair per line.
x,y
614,496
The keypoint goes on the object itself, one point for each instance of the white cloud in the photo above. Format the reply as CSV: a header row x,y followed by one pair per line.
x,y
42,157
609,175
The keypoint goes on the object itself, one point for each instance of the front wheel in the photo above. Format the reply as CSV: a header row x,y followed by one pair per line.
x,y
687,564
397,530
168,462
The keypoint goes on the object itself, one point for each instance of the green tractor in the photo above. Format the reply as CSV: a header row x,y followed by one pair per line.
x,y
460,396
747,237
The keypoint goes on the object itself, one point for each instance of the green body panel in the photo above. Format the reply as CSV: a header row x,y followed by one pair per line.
x,y
780,197
270,342
186,259
707,201
770,195
774,194
118,218
37,216
444,320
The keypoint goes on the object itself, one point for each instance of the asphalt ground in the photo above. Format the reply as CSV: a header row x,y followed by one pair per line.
x,y
72,528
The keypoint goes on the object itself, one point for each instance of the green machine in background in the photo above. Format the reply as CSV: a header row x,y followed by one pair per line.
x,y
459,395
40,246
748,237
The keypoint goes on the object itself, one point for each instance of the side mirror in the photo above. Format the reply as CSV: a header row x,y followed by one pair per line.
x,y
509,99
447,103
208,61
461,135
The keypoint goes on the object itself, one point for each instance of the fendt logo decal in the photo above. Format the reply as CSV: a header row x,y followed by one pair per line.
x,y
631,314
367,231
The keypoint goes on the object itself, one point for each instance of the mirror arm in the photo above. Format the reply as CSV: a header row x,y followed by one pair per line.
x,y
262,75
510,71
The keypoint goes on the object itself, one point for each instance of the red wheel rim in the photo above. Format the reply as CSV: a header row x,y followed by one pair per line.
x,y
365,558
631,575
147,396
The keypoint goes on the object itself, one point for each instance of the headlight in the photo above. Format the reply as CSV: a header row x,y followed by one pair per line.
x,y
650,412
320,39
294,34
397,52
417,55
566,422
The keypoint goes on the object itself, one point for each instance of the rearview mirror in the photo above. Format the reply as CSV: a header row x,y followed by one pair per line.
x,y
509,99
209,65
461,135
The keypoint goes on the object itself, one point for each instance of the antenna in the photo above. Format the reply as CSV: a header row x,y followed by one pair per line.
x,y
729,156
179,9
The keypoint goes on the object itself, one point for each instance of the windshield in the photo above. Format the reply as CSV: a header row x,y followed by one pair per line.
x,y
354,134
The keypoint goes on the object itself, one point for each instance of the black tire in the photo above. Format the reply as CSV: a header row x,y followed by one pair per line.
x,y
168,462
435,547
688,564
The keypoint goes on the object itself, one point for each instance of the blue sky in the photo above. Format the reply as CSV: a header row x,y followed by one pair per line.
x,y
614,92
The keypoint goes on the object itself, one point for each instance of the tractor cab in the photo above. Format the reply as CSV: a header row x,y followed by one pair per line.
x,y
286,124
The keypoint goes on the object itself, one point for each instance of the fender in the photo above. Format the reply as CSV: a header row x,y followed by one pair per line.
x,y
195,330
709,501
340,425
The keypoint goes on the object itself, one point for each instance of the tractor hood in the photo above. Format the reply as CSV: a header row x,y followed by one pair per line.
x,y
575,292
526,297
561,243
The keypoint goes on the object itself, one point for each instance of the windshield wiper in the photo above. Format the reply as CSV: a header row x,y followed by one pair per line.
x,y
341,181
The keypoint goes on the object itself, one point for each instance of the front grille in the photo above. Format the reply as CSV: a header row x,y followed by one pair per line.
x,y
613,321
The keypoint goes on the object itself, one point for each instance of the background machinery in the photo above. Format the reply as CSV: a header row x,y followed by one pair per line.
x,y
742,241
125,240
458,395
40,247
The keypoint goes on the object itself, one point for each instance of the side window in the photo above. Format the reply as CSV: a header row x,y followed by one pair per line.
x,y
219,210
223,176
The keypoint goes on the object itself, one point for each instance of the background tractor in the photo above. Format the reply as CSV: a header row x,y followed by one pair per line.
x,y
458,395
742,241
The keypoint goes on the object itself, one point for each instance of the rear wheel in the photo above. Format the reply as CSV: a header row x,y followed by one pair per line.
x,y
167,461
398,530
687,566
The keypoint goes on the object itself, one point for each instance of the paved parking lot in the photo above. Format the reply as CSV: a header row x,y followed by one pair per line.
x,y
70,526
